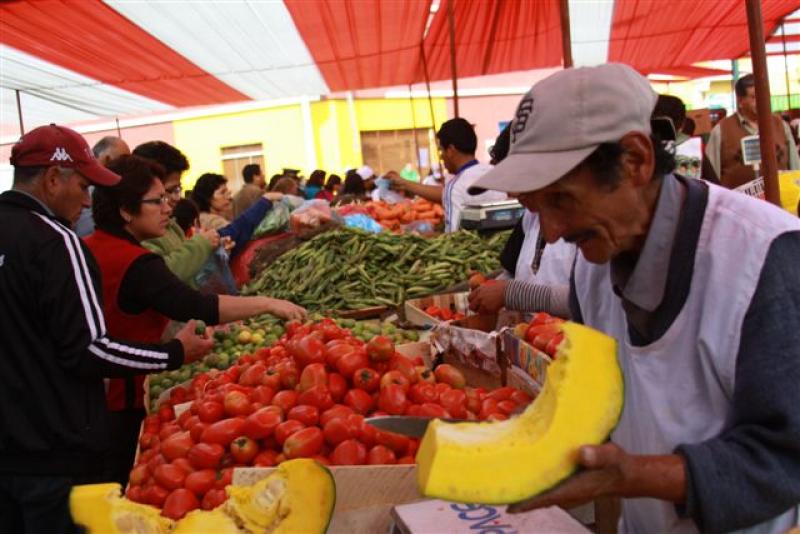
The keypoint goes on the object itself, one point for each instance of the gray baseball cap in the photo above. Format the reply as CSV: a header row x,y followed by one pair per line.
x,y
564,118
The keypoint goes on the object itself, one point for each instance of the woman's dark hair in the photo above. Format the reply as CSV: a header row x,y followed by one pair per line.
x,y
353,185
137,176
274,181
185,213
604,162
204,189
164,154
317,178
333,181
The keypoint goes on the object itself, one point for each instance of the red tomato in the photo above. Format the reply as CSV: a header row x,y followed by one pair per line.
x,y
392,399
313,375
308,415
397,378
413,447
319,396
190,421
243,450
349,363
252,375
406,460
380,455
155,495
424,374
184,464
138,475
224,478
552,346
167,430
359,400
321,459
349,452
331,332
450,375
148,439
338,430
414,409
473,400
430,409
333,353
152,423
423,392
308,350
176,446
304,443
488,406
213,498
521,398
286,429
455,402
183,417
337,386
262,423
404,366
261,394
169,476
205,455
223,432
366,379
397,442
135,494
501,394
179,503
237,403
265,459
146,456
286,400
210,412
199,482
196,431
338,410
271,379
497,416
367,433
380,349
507,406
166,413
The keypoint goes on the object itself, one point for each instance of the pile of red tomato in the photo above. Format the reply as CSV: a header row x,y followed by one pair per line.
x,y
544,332
444,314
305,397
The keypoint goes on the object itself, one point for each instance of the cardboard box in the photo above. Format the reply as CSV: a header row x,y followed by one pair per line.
x,y
471,342
415,308
521,354
442,517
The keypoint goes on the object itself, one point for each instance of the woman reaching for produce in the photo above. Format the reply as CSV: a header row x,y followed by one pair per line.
x,y
215,203
331,189
142,294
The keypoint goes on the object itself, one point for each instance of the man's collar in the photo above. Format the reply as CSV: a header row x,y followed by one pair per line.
x,y
466,166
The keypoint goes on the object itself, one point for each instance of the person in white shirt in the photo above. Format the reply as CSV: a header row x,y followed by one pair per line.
x,y
457,143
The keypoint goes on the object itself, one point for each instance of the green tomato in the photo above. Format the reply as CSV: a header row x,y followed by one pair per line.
x,y
199,328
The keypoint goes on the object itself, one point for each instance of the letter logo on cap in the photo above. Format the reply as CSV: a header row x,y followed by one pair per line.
x,y
60,155
521,120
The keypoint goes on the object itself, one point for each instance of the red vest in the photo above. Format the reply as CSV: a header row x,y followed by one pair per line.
x,y
114,256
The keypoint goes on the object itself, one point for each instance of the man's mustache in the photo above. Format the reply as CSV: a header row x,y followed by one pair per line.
x,y
580,236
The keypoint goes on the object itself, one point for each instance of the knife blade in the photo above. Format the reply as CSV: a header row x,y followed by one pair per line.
x,y
407,425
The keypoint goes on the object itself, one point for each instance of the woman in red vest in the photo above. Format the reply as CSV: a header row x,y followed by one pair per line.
x,y
141,293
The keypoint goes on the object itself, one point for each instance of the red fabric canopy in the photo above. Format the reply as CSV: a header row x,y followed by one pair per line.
x,y
357,45
494,36
653,35
92,39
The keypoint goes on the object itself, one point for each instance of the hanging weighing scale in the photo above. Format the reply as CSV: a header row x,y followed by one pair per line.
x,y
491,215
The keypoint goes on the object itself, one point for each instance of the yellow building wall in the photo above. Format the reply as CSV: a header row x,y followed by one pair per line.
x,y
337,142
279,131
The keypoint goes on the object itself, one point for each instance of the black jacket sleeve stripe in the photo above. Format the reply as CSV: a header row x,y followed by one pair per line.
x,y
118,353
93,314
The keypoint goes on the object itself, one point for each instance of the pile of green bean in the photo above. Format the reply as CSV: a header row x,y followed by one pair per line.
x,y
350,269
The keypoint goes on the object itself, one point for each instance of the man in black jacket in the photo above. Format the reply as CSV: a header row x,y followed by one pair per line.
x,y
54,351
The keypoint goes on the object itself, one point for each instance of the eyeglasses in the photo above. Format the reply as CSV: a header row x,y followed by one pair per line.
x,y
160,201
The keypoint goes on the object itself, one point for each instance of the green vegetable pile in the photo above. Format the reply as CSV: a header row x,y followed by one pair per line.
x,y
350,269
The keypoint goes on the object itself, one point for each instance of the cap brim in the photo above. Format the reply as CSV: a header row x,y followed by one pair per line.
x,y
97,174
523,172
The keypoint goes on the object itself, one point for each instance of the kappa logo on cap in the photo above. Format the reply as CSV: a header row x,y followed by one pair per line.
x,y
524,112
60,155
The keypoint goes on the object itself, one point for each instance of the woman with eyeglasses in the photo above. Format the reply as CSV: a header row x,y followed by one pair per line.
x,y
142,294
214,200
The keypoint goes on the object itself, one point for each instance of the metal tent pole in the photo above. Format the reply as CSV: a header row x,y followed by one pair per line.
x,y
451,19
19,113
566,35
769,163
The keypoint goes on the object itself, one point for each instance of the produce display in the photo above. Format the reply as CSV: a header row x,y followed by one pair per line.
x,y
542,332
307,396
234,340
509,461
297,497
350,269
393,216
444,314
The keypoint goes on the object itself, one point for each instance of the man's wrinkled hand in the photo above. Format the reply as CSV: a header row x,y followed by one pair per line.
x,y
606,470
488,298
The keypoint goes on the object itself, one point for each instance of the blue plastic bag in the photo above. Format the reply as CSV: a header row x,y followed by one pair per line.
x,y
363,222
215,277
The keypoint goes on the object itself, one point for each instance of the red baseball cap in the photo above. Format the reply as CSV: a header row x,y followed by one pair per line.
x,y
57,145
